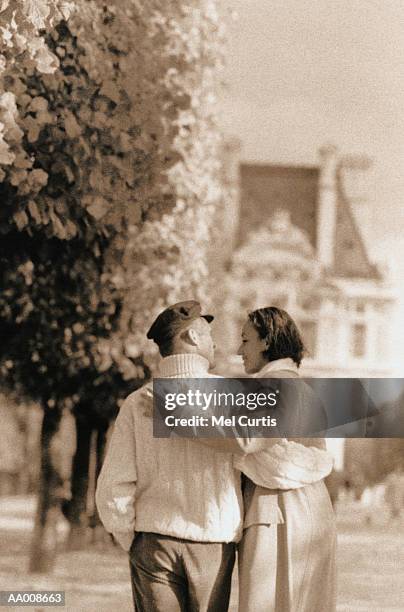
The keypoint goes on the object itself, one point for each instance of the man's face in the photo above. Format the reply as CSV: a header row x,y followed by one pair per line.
x,y
251,349
205,344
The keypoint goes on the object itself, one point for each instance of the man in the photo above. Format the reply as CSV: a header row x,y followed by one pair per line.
x,y
183,500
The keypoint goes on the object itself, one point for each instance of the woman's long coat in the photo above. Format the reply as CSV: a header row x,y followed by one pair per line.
x,y
287,555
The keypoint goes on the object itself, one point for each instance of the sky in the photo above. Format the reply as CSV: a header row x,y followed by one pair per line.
x,y
302,73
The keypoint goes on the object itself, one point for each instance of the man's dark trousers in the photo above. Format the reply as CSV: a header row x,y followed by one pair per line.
x,y
174,575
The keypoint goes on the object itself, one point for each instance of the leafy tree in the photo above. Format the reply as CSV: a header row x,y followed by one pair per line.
x,y
109,175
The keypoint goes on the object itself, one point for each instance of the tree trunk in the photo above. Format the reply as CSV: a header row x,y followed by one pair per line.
x,y
98,533
50,494
76,509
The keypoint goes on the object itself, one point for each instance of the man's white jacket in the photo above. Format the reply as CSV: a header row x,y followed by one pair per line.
x,y
173,487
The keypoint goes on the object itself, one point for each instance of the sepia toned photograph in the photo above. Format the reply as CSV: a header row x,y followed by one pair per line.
x,y
202,196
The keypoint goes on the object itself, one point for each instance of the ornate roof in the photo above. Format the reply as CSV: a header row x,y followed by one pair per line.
x,y
278,248
266,188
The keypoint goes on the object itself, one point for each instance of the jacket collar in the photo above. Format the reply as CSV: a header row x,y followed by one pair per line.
x,y
286,364
184,365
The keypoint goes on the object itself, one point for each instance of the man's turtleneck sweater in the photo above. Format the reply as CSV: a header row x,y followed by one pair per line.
x,y
168,486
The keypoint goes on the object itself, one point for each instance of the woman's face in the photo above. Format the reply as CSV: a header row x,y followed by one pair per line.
x,y
251,349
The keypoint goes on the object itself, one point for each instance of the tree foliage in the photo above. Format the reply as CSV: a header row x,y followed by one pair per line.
x,y
109,175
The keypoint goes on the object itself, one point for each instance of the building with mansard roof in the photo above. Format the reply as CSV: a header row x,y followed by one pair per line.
x,y
298,246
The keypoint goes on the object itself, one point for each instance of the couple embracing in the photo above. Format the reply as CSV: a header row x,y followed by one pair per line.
x,y
183,507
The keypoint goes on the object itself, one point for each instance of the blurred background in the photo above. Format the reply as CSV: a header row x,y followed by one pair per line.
x,y
254,159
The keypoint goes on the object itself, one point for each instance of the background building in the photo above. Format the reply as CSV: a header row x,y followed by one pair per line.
x,y
299,247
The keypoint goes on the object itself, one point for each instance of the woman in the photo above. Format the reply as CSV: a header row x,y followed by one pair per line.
x,y
287,553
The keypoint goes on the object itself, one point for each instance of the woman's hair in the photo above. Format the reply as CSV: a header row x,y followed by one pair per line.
x,y
277,327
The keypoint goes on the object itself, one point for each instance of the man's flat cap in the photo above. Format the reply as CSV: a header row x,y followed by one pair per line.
x,y
173,319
